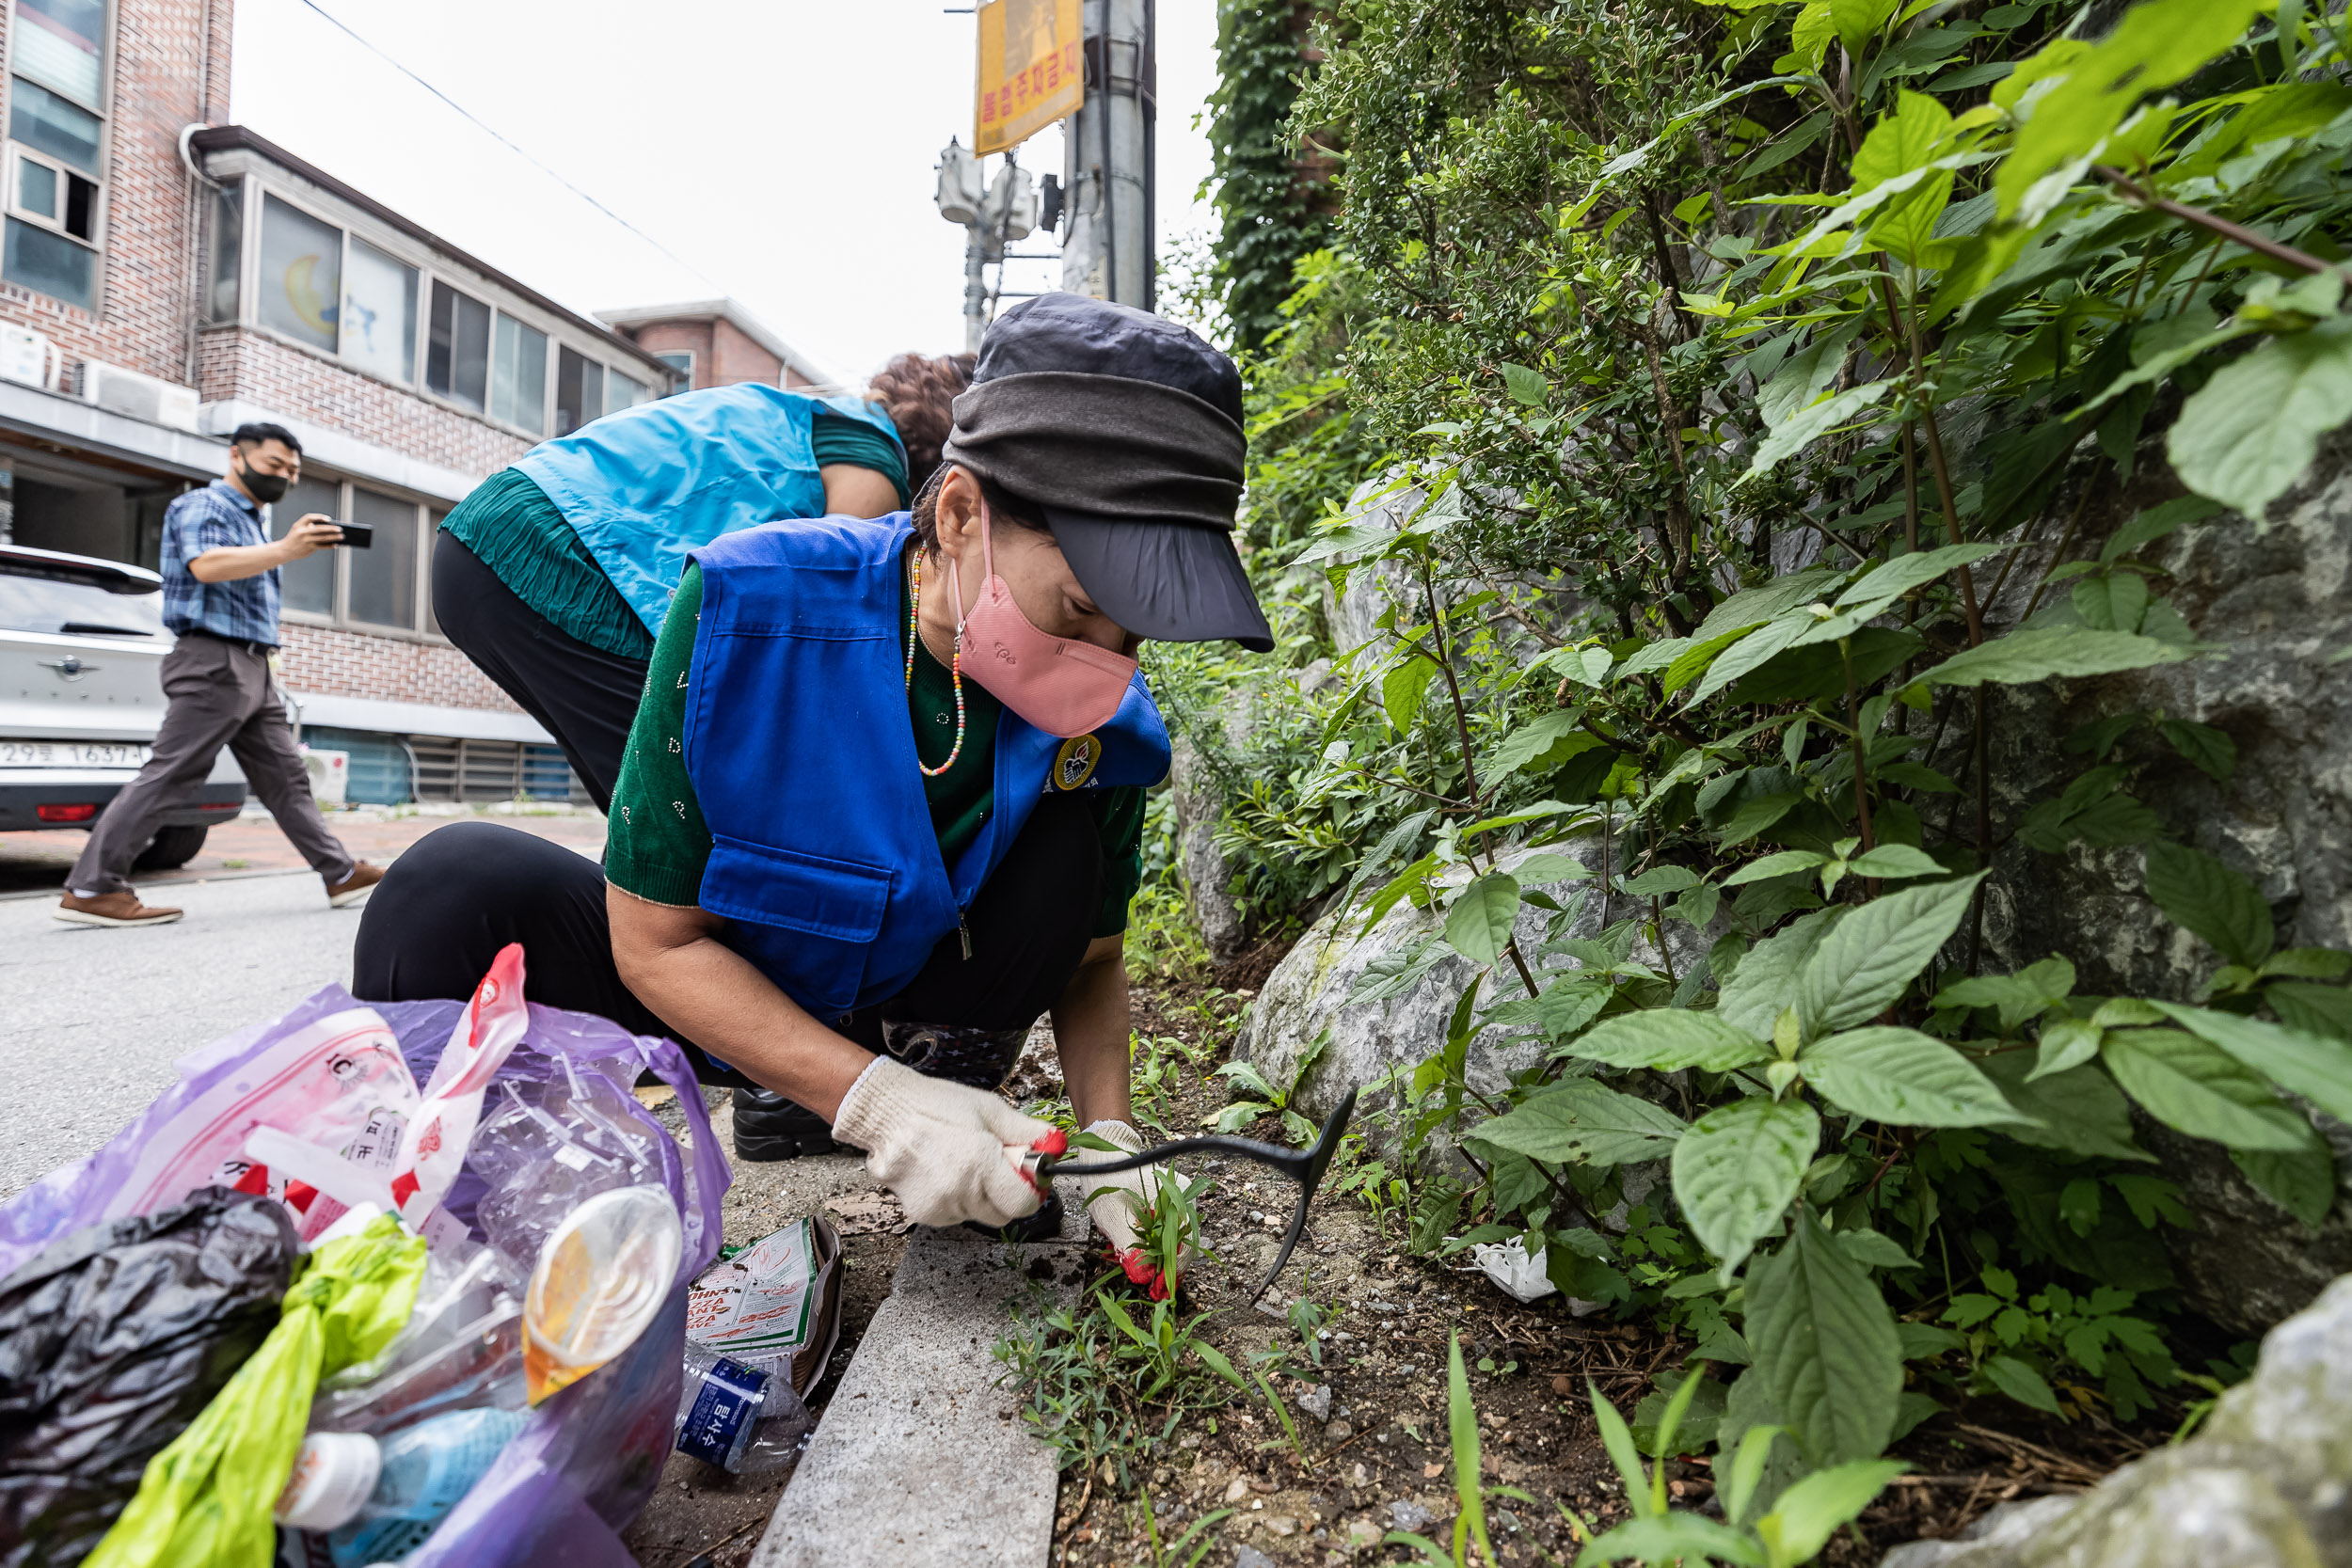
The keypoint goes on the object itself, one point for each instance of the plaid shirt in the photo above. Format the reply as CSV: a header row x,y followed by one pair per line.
x,y
215,516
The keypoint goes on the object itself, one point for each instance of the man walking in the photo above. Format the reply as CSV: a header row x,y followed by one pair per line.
x,y
220,597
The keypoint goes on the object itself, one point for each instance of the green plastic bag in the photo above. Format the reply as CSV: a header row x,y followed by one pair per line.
x,y
205,1501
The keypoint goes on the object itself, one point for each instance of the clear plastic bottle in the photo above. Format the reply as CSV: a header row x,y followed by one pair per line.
x,y
739,1418
380,1500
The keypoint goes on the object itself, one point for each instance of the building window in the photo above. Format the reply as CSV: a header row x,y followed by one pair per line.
x,y
382,580
228,251
301,281
379,315
54,174
380,587
457,350
306,584
682,361
579,390
518,375
623,392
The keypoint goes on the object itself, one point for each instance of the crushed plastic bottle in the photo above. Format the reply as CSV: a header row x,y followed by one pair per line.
x,y
602,1277
380,1502
738,1417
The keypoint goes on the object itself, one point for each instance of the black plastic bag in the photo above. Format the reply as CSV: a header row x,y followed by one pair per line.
x,y
111,1342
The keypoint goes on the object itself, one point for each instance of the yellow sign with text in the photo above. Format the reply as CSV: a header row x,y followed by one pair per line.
x,y
1031,73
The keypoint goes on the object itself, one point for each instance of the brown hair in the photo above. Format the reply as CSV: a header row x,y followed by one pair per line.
x,y
1003,505
917,392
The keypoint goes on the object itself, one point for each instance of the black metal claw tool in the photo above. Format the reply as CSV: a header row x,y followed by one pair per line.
x,y
1303,1165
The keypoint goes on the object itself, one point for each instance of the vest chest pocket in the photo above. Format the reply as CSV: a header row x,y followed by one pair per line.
x,y
838,900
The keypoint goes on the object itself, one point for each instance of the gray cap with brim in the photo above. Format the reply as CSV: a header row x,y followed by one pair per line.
x,y
1125,430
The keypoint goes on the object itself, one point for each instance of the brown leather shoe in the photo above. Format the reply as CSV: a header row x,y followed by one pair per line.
x,y
353,887
111,909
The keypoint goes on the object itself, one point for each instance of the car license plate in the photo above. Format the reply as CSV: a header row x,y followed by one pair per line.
x,y
72,753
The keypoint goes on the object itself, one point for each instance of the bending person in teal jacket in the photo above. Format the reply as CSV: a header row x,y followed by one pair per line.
x,y
553,577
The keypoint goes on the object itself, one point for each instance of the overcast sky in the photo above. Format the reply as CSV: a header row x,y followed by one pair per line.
x,y
783,148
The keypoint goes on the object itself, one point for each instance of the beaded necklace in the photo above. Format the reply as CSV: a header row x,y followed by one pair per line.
x,y
914,603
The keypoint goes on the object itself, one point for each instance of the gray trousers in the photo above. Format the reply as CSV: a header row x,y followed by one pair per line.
x,y
219,694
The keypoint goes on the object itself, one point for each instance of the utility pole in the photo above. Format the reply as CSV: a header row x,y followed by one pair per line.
x,y
1109,158
992,214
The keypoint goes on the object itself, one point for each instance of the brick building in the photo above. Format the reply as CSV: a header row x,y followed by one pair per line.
x,y
716,343
165,278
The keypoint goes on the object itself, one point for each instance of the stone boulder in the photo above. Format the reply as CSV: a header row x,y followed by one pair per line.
x,y
1306,997
2268,1483
2276,604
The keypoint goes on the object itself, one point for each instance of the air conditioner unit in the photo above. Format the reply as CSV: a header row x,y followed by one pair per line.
x,y
28,357
141,397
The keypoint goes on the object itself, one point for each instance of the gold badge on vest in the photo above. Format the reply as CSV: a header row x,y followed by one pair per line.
x,y
1076,763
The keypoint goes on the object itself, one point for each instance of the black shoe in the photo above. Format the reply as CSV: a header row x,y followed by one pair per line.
x,y
769,1127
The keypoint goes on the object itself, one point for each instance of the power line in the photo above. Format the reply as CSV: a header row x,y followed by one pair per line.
x,y
512,147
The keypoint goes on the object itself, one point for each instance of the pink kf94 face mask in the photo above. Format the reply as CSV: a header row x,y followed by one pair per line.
x,y
1063,687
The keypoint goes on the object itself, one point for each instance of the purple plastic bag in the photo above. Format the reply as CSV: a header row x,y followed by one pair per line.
x,y
576,1476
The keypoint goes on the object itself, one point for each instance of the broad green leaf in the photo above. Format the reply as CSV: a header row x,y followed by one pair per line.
x,y
1767,601
1402,688
2079,1110
1478,925
1537,812
2066,1044
1766,978
1873,1250
1543,743
2206,897
1826,1345
2113,601
1692,661
1857,23
1526,386
2322,1010
2318,1068
2211,752
2247,435
1749,653
1809,424
2044,653
1895,861
2018,996
2021,1382
1583,1123
1881,585
2194,1089
1809,1512
1661,879
1903,1078
1666,1039
1779,864
1862,967
1907,140
1803,376
2303,1182
2153,45
1754,816
1653,656
2308,963
1738,1168
1690,1538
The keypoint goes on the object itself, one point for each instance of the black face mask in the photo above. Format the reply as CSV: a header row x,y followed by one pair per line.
x,y
264,487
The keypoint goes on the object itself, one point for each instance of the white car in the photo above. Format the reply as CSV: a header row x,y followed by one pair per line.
x,y
81,643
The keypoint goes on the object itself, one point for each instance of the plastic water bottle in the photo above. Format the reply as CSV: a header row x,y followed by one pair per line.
x,y
739,1418
381,1498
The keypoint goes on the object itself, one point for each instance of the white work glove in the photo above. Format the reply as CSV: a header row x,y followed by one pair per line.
x,y
1114,1213
939,1145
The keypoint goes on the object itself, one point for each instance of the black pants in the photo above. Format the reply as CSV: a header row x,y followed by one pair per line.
x,y
462,893
583,696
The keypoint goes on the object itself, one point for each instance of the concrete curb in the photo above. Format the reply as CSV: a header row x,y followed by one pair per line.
x,y
922,1460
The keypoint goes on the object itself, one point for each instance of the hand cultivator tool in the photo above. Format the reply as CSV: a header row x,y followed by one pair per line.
x,y
1046,1160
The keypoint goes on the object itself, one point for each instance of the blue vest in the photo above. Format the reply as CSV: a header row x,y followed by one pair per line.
x,y
644,486
802,758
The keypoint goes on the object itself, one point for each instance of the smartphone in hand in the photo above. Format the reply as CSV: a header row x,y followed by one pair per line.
x,y
359,536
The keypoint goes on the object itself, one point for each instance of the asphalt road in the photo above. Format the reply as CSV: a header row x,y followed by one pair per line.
x,y
91,1019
